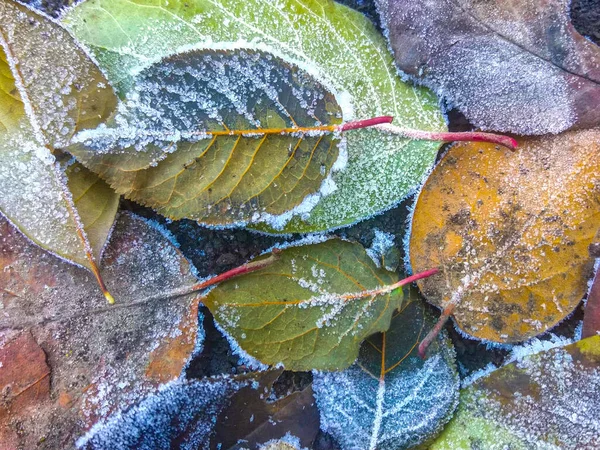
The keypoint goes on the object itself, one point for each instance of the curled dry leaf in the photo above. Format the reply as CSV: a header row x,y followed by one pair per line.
x,y
49,90
100,357
254,417
514,66
390,398
309,309
545,401
510,233
337,46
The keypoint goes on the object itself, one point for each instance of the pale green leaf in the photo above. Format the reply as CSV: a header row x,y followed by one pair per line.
x,y
295,312
336,45
49,89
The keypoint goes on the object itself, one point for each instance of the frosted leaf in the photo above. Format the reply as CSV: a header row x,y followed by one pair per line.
x,y
394,403
545,401
181,415
309,309
515,66
510,233
337,46
100,357
50,89
218,137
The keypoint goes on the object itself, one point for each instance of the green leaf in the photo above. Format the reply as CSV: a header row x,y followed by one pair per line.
x,y
95,202
336,45
546,400
295,311
390,398
252,148
49,90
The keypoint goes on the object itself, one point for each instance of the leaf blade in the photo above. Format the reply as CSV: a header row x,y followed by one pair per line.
x,y
293,311
50,89
362,74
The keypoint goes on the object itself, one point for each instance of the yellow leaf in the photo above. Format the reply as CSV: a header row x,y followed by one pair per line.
x,y
510,233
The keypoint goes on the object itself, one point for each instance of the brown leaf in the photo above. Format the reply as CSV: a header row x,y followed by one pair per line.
x,y
510,233
24,374
251,419
591,318
101,357
515,66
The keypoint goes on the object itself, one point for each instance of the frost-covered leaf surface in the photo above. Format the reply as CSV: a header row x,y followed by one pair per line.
x,y
545,401
337,46
514,66
510,233
180,415
100,357
300,310
390,398
49,89
255,416
250,148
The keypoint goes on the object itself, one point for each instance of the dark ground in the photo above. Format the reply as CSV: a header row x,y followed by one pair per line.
x,y
215,251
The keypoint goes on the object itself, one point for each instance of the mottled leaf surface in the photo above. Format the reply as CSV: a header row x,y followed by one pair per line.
x,y
221,137
545,401
336,45
294,311
510,233
49,89
390,398
180,415
100,357
514,66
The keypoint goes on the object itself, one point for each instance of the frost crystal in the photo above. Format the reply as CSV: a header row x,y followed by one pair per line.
x,y
181,413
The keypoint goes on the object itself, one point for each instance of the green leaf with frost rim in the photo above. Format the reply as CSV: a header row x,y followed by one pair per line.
x,y
390,398
222,137
337,45
291,312
49,89
546,400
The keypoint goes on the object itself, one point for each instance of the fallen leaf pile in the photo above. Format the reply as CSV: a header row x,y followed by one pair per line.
x,y
120,118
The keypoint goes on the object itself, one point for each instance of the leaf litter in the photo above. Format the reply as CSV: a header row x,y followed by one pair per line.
x,y
335,45
101,358
517,66
547,400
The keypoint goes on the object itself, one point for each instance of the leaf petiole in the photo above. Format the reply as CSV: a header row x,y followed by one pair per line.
x,y
470,136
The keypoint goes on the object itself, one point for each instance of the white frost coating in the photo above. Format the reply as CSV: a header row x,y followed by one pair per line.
x,y
212,87
288,438
245,358
179,409
344,47
343,97
555,405
382,242
535,345
23,94
359,410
